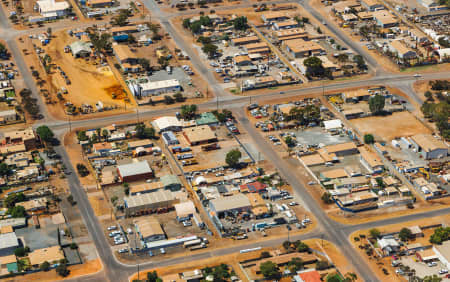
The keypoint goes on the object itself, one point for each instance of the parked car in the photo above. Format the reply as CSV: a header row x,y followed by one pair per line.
x,y
443,271
113,227
187,223
122,251
431,264
162,251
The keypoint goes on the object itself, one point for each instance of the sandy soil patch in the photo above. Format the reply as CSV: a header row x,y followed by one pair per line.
x,y
390,127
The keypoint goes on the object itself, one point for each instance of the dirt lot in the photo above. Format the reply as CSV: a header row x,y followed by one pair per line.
x,y
400,124
86,77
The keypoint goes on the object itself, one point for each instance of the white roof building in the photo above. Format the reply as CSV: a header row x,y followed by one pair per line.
x,y
167,123
444,54
159,87
52,9
332,124
8,241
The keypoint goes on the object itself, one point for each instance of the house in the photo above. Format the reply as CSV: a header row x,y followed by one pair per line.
x,y
343,7
51,254
308,275
235,203
117,30
99,3
8,116
195,275
149,202
199,135
365,16
8,264
206,118
8,243
144,143
257,48
290,34
127,59
299,48
443,253
159,87
171,182
443,54
259,82
416,231
244,40
137,170
429,147
270,17
25,137
34,204
242,60
334,174
80,49
370,160
403,52
167,123
326,64
427,256
384,19
102,148
285,25
50,9
432,5
372,5
356,95
388,245
253,187
149,229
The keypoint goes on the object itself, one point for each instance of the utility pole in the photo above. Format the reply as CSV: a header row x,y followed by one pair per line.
x,y
137,114
217,100
70,124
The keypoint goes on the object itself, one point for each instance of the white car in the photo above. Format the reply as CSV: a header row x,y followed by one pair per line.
x,y
293,204
443,271
417,75
431,264
121,251
113,227
119,242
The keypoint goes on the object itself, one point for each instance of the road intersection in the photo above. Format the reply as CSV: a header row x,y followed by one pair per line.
x,y
328,229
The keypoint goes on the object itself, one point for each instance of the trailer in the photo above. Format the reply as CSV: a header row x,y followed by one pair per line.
x,y
192,243
201,246
210,147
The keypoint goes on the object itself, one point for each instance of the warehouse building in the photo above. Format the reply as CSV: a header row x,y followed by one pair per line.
x,y
149,229
8,243
159,87
429,147
137,170
171,182
149,202
235,203
168,123
199,135
371,161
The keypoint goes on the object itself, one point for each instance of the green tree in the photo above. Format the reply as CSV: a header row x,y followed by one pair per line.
x,y
360,63
326,198
313,66
240,23
301,247
440,235
342,58
81,135
45,266
122,18
196,27
21,251
369,139
188,111
432,278
376,104
334,277
4,169
209,49
374,233
428,95
17,211
179,97
45,133
405,234
152,276
62,270
270,270
232,157
82,170
143,132
12,199
295,264
290,142
350,277
322,265
265,254
74,246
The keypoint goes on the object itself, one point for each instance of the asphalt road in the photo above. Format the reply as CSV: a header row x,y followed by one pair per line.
x,y
328,229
